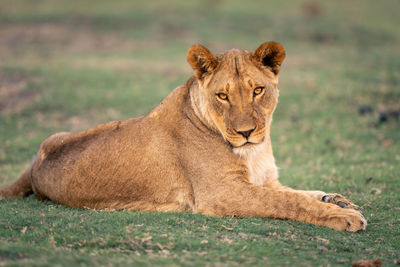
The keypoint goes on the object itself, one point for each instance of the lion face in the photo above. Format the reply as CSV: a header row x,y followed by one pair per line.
x,y
237,91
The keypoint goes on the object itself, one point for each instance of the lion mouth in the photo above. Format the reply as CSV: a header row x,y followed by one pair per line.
x,y
247,143
236,142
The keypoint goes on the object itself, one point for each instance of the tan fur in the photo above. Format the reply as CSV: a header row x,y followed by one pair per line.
x,y
194,152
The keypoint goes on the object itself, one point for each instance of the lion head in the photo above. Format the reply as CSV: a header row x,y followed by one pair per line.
x,y
237,90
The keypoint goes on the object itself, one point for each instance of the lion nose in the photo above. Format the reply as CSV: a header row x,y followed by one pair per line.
x,y
246,133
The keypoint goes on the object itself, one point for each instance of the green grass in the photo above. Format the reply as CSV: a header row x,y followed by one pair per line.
x,y
68,66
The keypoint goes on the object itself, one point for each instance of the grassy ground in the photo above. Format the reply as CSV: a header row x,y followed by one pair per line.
x,y
69,65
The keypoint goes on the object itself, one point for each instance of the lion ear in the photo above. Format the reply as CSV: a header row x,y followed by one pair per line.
x,y
201,60
270,55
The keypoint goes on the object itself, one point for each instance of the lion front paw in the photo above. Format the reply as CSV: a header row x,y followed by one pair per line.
x,y
346,219
340,200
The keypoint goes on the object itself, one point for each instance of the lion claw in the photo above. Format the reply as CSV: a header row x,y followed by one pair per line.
x,y
340,201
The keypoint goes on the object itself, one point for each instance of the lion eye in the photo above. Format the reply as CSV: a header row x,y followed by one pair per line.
x,y
258,90
222,96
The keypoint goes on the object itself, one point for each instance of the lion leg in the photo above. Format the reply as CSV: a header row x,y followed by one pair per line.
x,y
332,198
21,187
24,185
248,200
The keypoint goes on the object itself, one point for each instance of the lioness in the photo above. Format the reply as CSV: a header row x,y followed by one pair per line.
x,y
205,148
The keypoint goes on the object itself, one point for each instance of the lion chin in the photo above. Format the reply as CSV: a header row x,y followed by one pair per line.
x,y
175,158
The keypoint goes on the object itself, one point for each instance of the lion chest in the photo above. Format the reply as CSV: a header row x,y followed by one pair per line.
x,y
261,164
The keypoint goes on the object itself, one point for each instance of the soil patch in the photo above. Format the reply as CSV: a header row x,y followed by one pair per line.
x,y
62,37
14,93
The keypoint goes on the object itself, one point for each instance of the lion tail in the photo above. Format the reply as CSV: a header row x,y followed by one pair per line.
x,y
21,187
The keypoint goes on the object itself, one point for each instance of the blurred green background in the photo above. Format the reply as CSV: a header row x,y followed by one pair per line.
x,y
69,65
